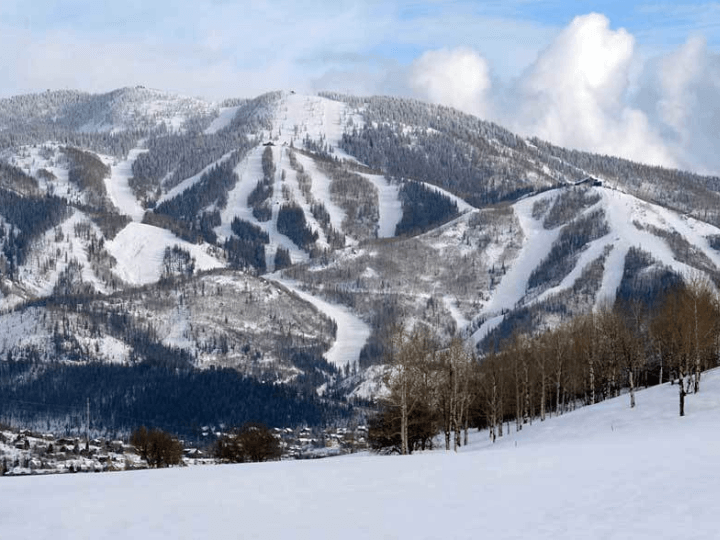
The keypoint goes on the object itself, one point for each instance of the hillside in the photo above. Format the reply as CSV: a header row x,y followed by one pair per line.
x,y
282,236
605,471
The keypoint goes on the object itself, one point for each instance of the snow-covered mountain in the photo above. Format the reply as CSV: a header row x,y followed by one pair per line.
x,y
168,210
131,108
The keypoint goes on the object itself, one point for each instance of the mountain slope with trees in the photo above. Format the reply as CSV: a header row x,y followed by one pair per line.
x,y
168,210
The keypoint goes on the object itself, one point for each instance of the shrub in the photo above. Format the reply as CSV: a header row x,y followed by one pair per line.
x,y
157,447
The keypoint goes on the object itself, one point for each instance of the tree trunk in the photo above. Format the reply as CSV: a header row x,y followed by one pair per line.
x,y
404,418
682,397
557,396
543,391
518,400
466,429
696,381
526,411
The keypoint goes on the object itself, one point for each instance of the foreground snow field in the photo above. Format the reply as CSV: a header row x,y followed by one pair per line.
x,y
605,472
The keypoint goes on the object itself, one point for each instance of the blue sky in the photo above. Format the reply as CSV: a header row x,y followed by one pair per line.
x,y
644,74
247,47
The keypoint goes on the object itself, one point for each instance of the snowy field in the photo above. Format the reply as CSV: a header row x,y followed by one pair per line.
x,y
605,472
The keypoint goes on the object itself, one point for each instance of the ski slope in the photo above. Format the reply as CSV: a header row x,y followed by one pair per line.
x,y
139,251
118,187
390,206
537,243
223,120
603,472
352,332
630,221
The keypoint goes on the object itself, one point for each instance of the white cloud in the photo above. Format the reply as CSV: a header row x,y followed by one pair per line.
x,y
458,78
576,91
575,95
686,84
678,72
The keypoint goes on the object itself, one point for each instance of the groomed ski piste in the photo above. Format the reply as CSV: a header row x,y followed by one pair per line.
x,y
600,472
139,250
352,332
628,219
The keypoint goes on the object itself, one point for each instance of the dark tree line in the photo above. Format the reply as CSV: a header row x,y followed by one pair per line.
x,y
88,173
291,222
212,187
567,248
157,447
253,442
246,249
184,214
282,258
174,157
569,203
15,178
177,262
263,191
423,208
179,400
29,217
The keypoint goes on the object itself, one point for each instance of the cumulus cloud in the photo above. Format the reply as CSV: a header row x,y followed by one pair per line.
x,y
688,104
678,72
575,95
458,78
579,92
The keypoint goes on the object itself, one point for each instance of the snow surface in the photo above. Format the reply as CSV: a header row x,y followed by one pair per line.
x,y
537,243
139,251
602,472
118,187
299,116
227,114
352,332
390,205
628,219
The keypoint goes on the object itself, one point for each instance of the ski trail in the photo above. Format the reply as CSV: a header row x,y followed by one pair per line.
x,y
536,246
352,332
390,206
118,186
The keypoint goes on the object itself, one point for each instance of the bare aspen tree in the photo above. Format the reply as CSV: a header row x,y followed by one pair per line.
x,y
409,358
701,307
670,330
541,361
560,347
455,390
513,354
627,328
589,338
491,388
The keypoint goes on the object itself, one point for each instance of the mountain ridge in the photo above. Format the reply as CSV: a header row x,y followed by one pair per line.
x,y
390,209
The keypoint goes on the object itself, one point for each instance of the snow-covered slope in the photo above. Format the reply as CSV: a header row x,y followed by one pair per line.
x,y
605,471
123,109
631,223
472,271
352,332
139,251
118,187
